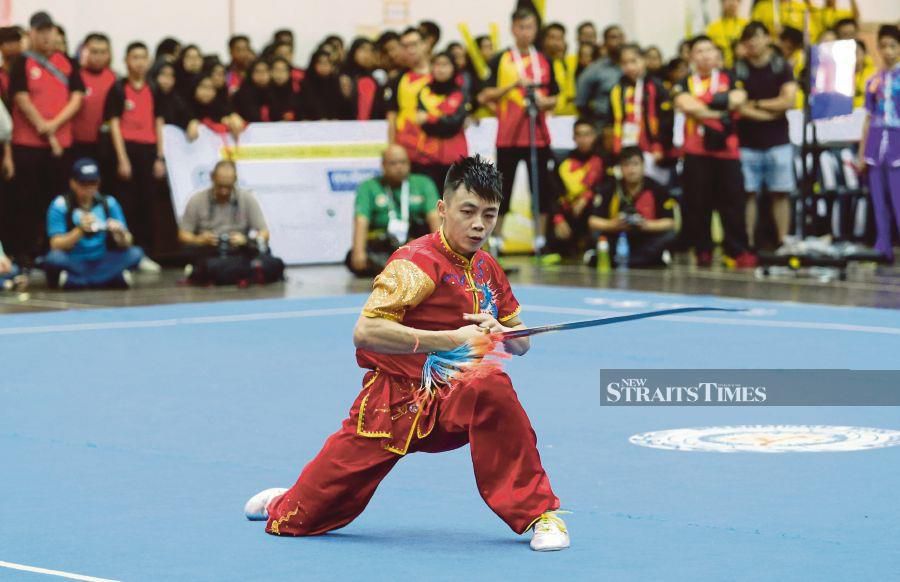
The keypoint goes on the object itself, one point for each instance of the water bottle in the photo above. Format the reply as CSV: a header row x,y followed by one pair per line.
x,y
603,265
622,251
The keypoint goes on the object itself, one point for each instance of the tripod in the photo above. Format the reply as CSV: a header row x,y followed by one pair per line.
x,y
531,104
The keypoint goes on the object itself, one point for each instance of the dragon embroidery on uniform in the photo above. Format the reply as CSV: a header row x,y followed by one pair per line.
x,y
487,295
488,303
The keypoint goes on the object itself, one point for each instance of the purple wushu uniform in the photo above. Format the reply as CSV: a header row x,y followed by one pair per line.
x,y
882,153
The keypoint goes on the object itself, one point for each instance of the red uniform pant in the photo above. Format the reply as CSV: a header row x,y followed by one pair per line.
x,y
338,483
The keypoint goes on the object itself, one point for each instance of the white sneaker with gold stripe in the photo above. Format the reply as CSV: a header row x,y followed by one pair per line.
x,y
550,533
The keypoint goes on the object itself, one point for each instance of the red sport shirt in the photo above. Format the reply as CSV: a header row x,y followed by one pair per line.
x,y
48,93
87,122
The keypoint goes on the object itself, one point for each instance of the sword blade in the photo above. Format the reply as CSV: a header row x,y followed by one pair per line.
x,y
606,321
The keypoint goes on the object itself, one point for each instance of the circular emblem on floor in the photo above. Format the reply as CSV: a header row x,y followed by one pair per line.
x,y
771,438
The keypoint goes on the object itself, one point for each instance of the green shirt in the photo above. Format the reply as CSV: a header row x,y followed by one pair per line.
x,y
374,201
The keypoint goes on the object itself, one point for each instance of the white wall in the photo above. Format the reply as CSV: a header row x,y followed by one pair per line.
x,y
206,22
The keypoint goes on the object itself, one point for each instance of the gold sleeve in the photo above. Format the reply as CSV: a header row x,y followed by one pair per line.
x,y
401,286
512,315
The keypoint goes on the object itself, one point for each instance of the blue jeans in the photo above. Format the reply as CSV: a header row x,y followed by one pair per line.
x,y
94,272
770,170
13,273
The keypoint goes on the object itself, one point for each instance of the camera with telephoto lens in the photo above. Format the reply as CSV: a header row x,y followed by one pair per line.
x,y
224,243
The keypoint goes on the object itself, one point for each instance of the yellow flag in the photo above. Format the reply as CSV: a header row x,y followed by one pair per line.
x,y
481,68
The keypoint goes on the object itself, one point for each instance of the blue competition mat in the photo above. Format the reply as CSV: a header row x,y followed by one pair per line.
x,y
131,438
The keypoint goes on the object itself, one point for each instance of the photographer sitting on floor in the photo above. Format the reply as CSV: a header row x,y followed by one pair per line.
x,y
90,245
636,207
227,233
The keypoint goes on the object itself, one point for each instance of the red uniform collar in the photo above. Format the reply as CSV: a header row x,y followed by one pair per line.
x,y
440,241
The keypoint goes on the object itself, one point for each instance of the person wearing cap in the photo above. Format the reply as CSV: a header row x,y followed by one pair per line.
x,y
90,245
47,91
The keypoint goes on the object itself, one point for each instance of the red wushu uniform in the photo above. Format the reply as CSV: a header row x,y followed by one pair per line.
x,y
425,285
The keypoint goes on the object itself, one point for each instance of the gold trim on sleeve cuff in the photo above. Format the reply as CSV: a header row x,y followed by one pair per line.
x,y
381,315
506,318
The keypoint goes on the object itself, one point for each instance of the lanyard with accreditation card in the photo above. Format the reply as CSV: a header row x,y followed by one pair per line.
x,y
631,130
398,226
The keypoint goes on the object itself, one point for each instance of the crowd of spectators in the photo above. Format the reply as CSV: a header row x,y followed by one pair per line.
x,y
711,119
711,123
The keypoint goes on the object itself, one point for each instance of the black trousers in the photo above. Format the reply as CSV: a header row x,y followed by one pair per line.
x,y
209,266
380,249
40,177
437,173
713,184
375,263
85,150
7,216
164,243
644,249
580,240
139,195
508,160
101,151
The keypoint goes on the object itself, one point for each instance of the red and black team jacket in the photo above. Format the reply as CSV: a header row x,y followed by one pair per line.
x,y
655,106
443,139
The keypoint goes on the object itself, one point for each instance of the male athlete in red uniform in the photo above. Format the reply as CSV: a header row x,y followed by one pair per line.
x,y
435,294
